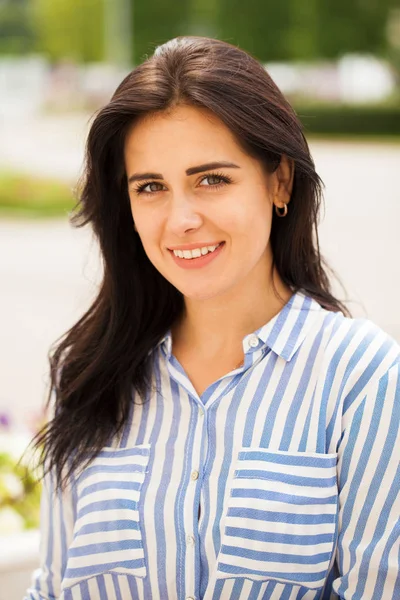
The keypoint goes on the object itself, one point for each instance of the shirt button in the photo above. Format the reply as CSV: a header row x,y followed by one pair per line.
x,y
195,475
190,540
253,341
201,412
190,598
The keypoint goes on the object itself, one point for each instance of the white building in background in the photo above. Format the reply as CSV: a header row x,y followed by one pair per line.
x,y
30,85
23,83
364,79
352,79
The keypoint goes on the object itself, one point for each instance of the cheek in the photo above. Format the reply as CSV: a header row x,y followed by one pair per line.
x,y
251,222
147,223
148,236
257,238
152,250
148,231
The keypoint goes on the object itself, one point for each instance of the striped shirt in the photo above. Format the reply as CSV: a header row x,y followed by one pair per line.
x,y
281,481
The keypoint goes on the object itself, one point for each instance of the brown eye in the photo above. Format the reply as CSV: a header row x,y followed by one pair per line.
x,y
212,179
149,187
153,187
215,180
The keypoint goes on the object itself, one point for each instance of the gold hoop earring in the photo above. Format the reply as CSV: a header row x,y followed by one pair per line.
x,y
278,210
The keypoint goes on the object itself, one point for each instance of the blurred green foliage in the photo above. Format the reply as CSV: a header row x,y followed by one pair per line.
x,y
296,30
69,29
270,30
349,120
16,29
353,26
156,21
19,496
28,196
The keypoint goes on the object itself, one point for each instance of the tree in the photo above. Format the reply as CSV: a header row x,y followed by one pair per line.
x,y
16,32
295,30
258,26
155,22
70,29
358,26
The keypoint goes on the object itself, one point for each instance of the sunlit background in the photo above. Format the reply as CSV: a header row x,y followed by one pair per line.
x,y
338,62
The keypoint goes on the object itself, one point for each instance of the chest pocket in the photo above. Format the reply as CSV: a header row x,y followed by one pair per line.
x,y
281,518
107,535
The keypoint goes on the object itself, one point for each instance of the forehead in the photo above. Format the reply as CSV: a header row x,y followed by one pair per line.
x,y
186,132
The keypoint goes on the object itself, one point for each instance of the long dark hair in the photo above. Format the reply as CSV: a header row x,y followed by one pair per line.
x,y
98,363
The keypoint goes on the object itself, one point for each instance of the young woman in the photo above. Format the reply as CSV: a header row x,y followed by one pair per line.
x,y
222,428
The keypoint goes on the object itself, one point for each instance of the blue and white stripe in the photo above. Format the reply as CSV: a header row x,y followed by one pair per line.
x,y
107,532
286,534
281,482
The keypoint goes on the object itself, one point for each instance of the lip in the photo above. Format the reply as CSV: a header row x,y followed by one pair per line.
x,y
193,246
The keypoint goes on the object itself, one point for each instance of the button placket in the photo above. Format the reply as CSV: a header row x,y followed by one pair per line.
x,y
192,493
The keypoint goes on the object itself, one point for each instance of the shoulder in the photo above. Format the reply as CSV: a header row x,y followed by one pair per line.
x,y
357,355
334,340
361,339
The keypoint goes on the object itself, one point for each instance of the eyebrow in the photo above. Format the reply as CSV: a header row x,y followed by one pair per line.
x,y
190,171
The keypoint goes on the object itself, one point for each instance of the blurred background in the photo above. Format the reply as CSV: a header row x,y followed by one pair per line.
x,y
338,62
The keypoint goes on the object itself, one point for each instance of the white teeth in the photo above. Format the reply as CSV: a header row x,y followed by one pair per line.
x,y
196,253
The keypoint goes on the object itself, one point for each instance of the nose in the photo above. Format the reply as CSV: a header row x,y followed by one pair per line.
x,y
183,217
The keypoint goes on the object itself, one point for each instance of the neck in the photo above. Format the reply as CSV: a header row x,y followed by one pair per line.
x,y
211,326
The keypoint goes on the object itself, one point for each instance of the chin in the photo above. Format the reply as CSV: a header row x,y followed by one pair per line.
x,y
201,294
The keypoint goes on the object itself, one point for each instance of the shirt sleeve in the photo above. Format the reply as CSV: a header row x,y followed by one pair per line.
x,y
369,494
56,528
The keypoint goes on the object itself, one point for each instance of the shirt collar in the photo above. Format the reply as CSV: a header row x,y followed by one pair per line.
x,y
283,334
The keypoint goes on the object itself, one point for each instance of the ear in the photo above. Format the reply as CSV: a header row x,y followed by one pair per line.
x,y
283,181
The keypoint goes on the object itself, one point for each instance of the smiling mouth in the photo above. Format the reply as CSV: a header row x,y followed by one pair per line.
x,y
196,252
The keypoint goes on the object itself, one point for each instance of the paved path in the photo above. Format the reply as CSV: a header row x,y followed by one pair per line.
x,y
48,273
49,270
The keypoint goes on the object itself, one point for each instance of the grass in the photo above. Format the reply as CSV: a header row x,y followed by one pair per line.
x,y
27,196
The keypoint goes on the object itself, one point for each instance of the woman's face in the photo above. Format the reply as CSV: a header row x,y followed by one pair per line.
x,y
192,188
